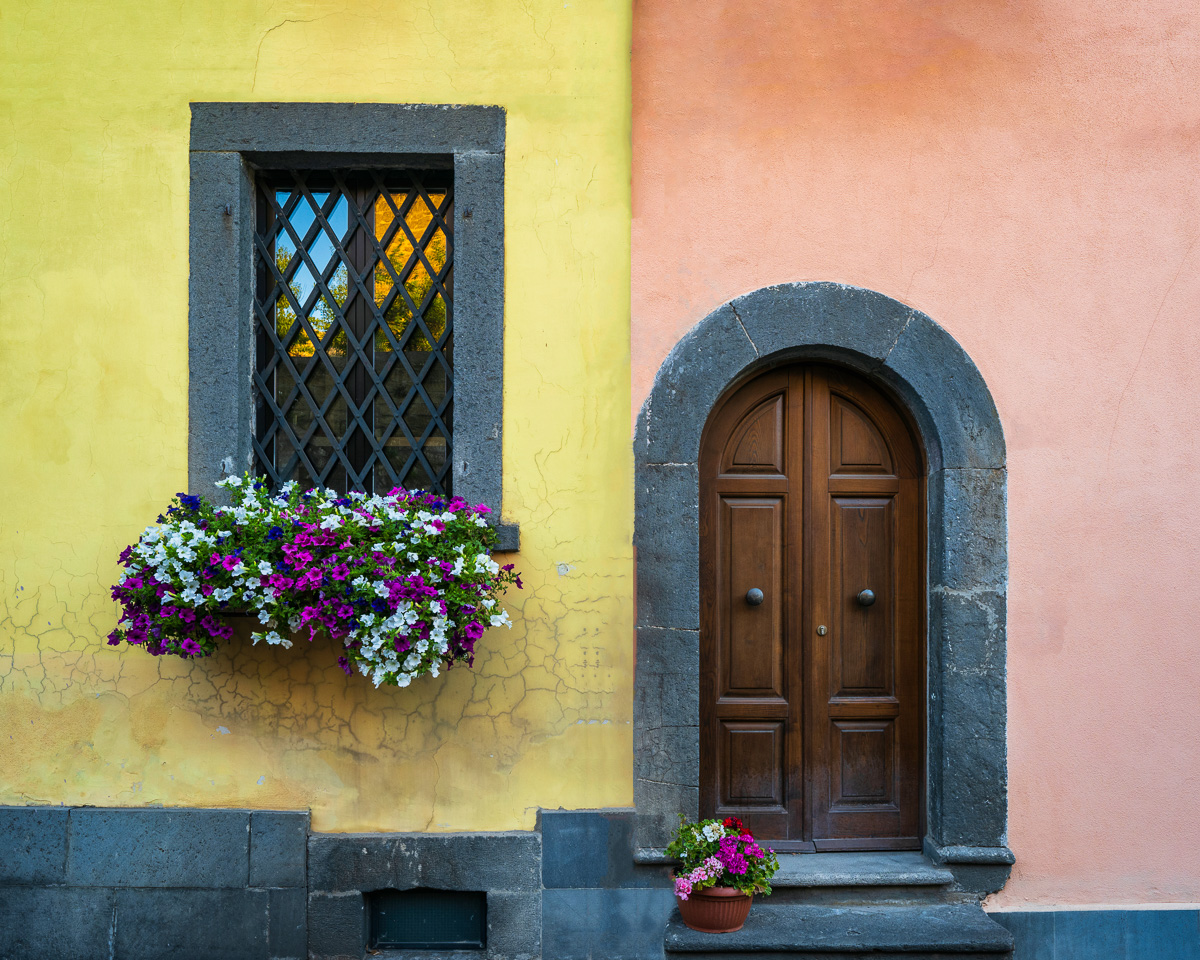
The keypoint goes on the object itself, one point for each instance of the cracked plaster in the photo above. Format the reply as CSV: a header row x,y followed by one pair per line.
x,y
94,388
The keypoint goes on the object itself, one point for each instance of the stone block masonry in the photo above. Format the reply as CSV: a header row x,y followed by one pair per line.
x,y
1109,934
342,868
142,883
189,883
596,902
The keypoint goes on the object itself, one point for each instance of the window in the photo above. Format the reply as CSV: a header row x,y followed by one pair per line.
x,y
354,321
346,296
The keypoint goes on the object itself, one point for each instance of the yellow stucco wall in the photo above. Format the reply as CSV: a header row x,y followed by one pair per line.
x,y
93,393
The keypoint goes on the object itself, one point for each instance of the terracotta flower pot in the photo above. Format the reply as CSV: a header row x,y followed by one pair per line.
x,y
715,910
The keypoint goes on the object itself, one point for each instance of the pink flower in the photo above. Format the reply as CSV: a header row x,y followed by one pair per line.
x,y
730,856
683,887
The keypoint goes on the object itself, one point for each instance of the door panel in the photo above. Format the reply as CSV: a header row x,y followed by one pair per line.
x,y
757,446
752,648
856,446
812,491
864,758
861,635
753,754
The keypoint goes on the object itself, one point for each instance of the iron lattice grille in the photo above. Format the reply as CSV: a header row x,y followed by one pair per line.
x,y
354,329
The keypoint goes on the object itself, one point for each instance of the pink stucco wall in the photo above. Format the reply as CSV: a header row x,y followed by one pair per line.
x,y
1028,174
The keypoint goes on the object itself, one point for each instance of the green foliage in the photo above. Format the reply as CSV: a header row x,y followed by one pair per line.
x,y
720,853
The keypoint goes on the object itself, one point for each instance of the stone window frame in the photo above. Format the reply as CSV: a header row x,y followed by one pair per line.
x,y
920,364
228,142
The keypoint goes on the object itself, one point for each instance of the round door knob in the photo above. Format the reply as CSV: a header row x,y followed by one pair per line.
x,y
754,596
866,597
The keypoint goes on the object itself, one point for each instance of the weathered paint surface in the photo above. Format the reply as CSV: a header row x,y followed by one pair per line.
x,y
1026,174
93,386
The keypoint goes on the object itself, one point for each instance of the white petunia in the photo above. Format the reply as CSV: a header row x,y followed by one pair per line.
x,y
275,639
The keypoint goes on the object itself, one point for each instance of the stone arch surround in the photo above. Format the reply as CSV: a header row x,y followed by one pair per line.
x,y
927,371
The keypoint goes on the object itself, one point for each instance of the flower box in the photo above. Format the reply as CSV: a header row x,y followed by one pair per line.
x,y
405,580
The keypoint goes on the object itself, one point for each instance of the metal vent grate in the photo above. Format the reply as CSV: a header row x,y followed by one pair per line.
x,y
428,919
354,329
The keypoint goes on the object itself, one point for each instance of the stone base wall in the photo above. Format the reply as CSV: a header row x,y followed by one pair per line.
x,y
91,882
1147,934
596,903
135,884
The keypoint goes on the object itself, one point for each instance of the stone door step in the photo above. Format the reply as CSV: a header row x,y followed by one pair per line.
x,y
792,930
901,869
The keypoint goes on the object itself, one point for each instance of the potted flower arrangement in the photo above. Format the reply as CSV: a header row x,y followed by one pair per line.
x,y
405,580
721,867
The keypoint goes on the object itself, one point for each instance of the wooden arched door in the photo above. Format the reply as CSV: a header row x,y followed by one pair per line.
x,y
812,693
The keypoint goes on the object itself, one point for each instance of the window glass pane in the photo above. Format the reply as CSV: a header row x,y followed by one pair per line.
x,y
354,312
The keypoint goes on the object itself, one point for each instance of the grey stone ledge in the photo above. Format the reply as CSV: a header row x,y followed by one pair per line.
x,y
797,928
897,869
997,856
